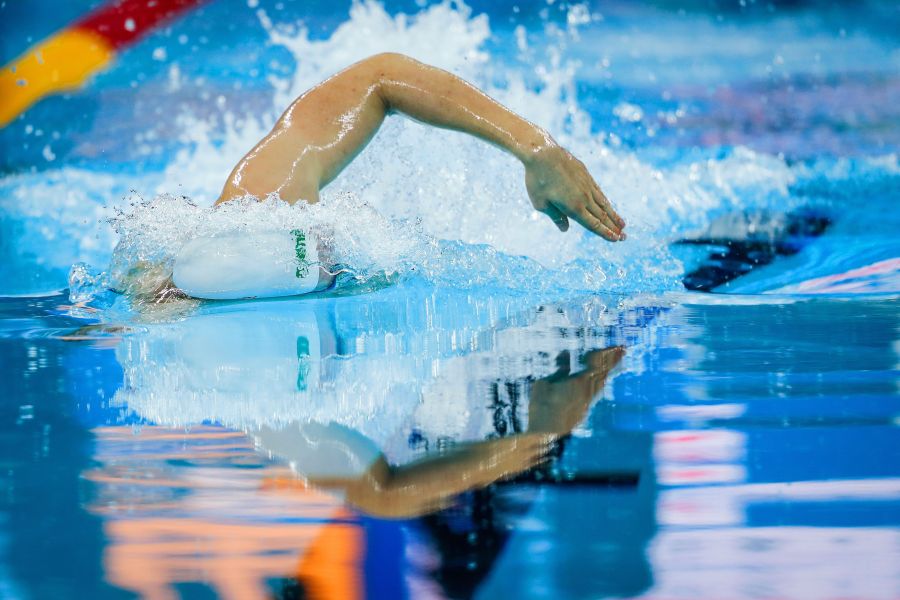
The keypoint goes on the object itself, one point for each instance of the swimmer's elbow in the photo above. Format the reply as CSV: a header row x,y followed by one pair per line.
x,y
388,62
387,68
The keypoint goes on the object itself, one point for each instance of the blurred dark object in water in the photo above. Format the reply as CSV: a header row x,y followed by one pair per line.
x,y
742,242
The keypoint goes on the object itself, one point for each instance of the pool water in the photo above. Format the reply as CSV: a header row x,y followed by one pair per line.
x,y
488,407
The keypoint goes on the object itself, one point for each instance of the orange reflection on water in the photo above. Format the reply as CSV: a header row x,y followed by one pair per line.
x,y
203,507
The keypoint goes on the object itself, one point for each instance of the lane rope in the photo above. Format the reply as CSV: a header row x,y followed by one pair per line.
x,y
67,59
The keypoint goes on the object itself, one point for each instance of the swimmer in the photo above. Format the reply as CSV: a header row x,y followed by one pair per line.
x,y
324,129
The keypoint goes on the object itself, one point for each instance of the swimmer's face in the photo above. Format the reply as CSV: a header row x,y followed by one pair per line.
x,y
148,281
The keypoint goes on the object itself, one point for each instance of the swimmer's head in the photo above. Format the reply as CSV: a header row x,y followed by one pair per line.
x,y
147,282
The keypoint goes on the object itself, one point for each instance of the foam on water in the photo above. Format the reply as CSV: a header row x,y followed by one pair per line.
x,y
419,202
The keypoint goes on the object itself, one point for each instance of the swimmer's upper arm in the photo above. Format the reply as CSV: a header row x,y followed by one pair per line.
x,y
316,137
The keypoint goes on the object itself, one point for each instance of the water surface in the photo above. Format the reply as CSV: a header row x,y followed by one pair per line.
x,y
492,408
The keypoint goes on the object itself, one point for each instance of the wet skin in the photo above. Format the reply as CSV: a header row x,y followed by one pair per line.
x,y
325,128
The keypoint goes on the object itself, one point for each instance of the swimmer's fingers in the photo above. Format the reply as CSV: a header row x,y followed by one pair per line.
x,y
592,223
603,202
604,218
602,209
558,218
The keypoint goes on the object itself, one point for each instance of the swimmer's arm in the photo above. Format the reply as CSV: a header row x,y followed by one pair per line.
x,y
324,129
430,483
556,405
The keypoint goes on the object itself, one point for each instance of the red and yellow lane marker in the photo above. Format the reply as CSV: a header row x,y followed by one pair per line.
x,y
65,60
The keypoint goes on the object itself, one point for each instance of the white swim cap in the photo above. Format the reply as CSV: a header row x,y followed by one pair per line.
x,y
233,266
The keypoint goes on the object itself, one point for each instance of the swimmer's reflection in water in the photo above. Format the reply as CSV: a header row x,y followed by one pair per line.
x,y
335,390
210,535
336,405
323,131
339,459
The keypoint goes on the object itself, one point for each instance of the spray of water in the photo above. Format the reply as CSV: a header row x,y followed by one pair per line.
x,y
418,202
439,205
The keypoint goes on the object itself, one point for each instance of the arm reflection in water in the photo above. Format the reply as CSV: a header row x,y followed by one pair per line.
x,y
326,456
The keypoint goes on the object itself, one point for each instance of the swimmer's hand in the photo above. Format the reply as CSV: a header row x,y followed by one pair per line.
x,y
560,186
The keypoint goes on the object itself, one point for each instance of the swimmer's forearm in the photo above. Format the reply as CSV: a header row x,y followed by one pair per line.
x,y
439,98
427,484
558,184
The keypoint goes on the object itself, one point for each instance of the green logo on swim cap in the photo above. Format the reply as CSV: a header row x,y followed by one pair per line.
x,y
300,252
